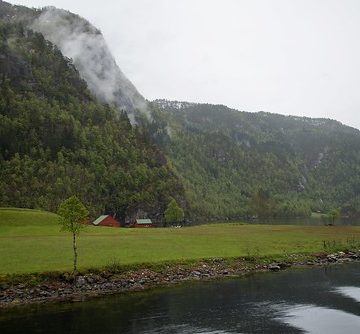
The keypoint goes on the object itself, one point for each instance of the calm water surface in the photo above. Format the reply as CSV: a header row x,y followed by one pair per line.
x,y
318,300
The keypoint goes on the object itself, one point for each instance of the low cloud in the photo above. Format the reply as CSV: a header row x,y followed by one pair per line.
x,y
84,44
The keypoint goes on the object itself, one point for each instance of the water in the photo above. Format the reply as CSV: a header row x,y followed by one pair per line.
x,y
317,300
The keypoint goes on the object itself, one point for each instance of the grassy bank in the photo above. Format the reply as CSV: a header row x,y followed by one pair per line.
x,y
31,241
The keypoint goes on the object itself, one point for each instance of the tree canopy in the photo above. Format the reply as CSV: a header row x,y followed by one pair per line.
x,y
223,156
73,215
57,140
333,215
174,213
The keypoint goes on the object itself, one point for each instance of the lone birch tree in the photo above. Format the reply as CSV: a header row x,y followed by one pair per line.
x,y
72,218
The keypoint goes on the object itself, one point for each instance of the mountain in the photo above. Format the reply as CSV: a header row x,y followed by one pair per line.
x,y
57,139
84,44
71,122
225,158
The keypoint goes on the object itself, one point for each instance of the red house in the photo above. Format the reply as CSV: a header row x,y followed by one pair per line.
x,y
106,220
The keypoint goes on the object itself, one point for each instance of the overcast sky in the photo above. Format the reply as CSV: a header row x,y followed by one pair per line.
x,y
298,57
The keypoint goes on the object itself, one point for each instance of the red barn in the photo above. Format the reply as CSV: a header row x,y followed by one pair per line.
x,y
106,220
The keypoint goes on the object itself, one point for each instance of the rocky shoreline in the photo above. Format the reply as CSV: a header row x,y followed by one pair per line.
x,y
90,285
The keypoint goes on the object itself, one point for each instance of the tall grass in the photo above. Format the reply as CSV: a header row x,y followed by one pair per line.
x,y
341,245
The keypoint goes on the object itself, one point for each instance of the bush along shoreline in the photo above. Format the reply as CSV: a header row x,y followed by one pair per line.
x,y
22,290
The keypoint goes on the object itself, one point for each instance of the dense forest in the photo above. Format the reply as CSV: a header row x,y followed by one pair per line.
x,y
66,130
56,140
236,164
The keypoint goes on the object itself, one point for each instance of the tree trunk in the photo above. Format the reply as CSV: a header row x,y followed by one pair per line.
x,y
75,254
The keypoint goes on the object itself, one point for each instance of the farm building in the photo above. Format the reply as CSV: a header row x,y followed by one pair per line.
x,y
144,223
106,220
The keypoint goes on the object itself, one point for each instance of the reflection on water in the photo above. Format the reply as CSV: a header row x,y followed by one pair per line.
x,y
349,291
318,300
312,319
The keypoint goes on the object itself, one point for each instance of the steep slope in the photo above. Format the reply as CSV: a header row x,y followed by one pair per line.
x,y
225,157
84,44
10,13
231,163
56,140
80,41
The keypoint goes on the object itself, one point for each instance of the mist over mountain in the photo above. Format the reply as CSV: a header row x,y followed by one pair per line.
x,y
57,139
62,131
84,44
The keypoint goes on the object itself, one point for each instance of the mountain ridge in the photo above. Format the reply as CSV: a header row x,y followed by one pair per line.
x,y
57,140
230,163
82,42
175,104
296,159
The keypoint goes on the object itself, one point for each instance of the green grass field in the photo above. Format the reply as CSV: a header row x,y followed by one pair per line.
x,y
31,242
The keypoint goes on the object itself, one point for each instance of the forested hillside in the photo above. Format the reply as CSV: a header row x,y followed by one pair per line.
x,y
85,45
237,163
56,140
74,124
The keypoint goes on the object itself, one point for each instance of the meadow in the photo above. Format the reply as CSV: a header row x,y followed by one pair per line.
x,y
31,242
